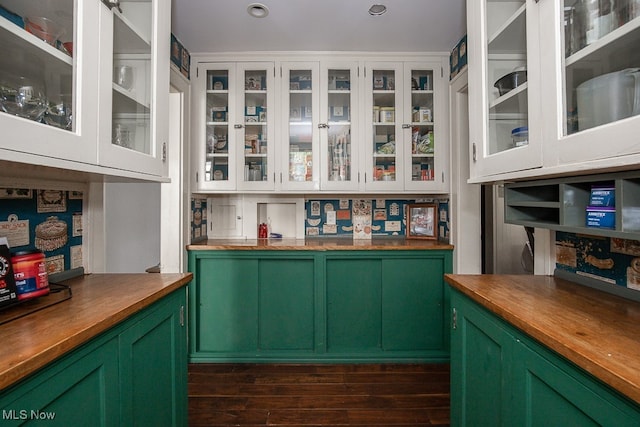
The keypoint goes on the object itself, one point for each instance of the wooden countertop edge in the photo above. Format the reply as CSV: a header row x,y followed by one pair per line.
x,y
16,372
624,385
319,244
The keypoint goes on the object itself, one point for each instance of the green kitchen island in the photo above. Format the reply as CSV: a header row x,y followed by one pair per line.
x,y
319,300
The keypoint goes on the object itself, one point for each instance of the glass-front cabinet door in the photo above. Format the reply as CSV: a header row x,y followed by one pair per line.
x,y
256,88
300,139
384,168
138,127
48,90
216,137
593,97
503,83
339,126
425,119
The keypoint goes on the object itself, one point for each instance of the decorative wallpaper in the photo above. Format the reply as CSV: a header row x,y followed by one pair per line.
x,y
198,219
612,260
356,217
48,220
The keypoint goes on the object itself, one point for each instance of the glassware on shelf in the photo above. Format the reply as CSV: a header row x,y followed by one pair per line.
x,y
59,115
24,101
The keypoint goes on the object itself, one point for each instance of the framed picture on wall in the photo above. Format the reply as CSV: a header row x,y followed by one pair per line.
x,y
422,221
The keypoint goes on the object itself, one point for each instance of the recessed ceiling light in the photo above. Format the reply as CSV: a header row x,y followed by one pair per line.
x,y
377,9
257,10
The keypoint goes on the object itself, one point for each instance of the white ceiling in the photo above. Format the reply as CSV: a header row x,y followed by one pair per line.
x,y
205,26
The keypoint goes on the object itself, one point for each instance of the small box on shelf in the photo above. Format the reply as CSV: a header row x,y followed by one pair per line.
x,y
601,217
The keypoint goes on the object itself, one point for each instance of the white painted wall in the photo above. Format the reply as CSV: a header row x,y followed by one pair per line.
x,y
132,227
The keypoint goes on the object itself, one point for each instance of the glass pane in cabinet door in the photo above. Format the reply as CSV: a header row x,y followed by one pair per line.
x,y
300,126
422,143
255,125
602,77
339,131
384,125
132,66
217,123
507,75
36,65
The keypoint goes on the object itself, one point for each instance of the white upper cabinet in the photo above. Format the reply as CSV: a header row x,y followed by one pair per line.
x,y
134,93
299,121
591,95
332,124
581,100
47,80
339,126
255,109
383,145
504,86
85,87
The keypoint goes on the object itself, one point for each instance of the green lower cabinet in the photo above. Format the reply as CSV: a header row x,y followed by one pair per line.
x,y
318,306
153,367
80,390
132,375
501,377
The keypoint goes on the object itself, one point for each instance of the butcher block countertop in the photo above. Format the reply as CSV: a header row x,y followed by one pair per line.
x,y
321,244
98,302
598,332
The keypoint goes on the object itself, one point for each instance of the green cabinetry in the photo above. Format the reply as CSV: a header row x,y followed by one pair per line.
x,y
133,374
502,377
305,305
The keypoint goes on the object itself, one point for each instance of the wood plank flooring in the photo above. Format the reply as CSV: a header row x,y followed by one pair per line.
x,y
251,395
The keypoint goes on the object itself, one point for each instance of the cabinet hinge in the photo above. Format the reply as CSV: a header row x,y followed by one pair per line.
x,y
473,151
196,176
164,151
182,315
442,176
441,72
454,319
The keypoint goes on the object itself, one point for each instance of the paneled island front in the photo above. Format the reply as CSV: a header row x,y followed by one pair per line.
x,y
319,300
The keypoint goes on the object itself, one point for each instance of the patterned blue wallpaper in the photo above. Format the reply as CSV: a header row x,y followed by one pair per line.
x,y
612,260
198,219
350,217
48,220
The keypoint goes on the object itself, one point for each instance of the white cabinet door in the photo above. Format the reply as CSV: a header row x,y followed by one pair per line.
x,y
134,95
383,149
503,42
299,144
339,126
254,126
425,125
49,106
591,101
214,138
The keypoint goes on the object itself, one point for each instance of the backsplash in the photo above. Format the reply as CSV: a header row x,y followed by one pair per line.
x,y
612,260
48,220
198,219
385,217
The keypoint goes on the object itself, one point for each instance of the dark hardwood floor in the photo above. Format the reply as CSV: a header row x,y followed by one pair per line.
x,y
318,395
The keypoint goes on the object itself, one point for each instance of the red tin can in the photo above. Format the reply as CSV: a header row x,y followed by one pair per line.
x,y
30,272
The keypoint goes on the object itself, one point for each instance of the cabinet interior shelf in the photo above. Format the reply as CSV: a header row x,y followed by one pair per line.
x,y
128,38
220,91
510,37
217,123
28,45
621,40
512,101
560,204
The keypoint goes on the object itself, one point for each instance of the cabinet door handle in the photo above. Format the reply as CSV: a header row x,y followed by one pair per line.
x,y
323,126
238,126
473,149
182,315
454,319
406,126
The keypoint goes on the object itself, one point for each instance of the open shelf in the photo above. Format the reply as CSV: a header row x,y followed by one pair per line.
x,y
560,204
